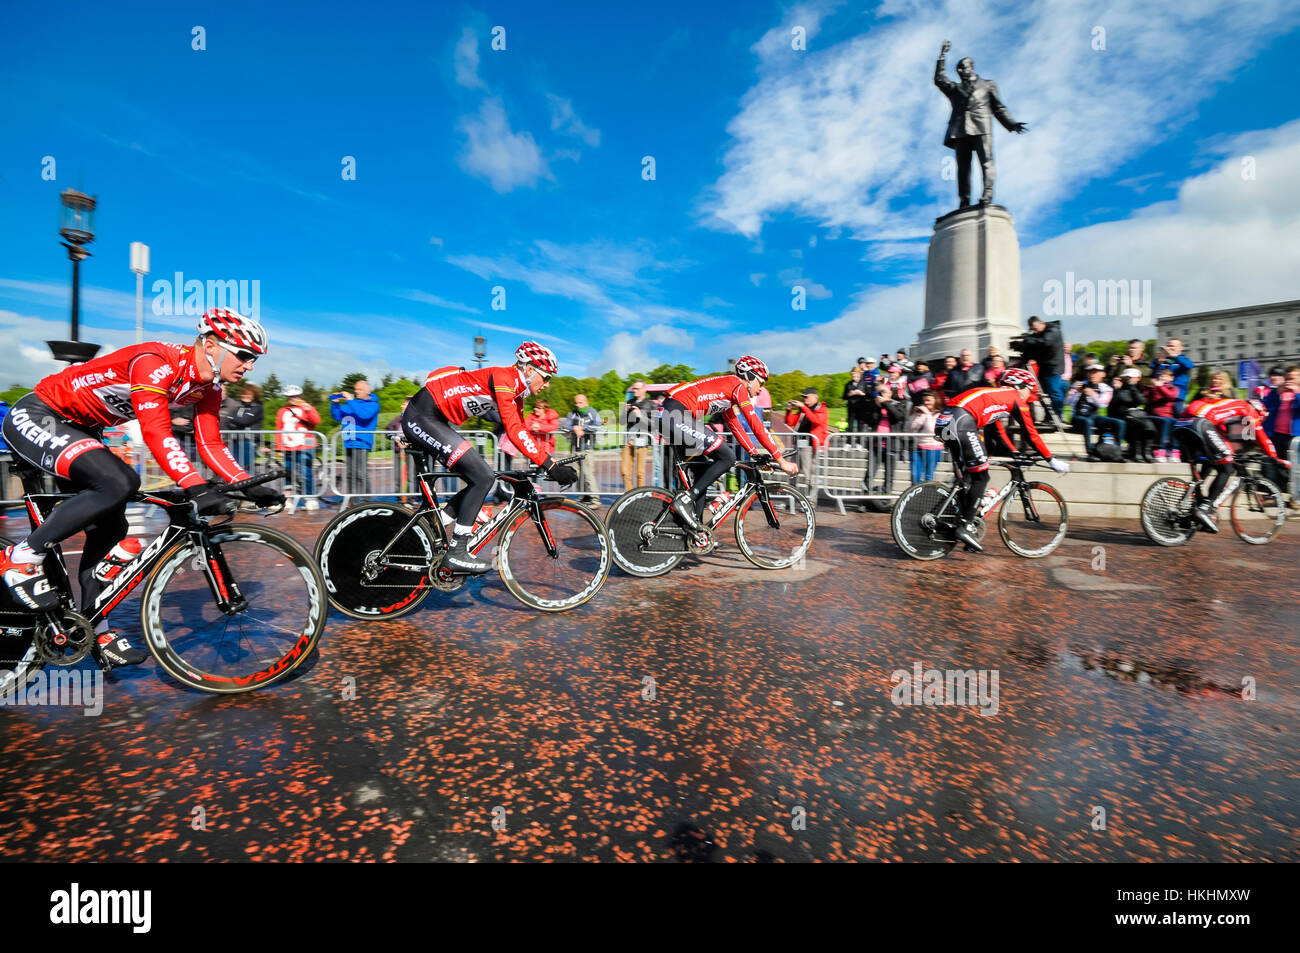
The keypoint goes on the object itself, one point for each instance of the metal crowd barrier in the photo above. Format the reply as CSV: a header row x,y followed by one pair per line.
x,y
1294,455
388,470
869,466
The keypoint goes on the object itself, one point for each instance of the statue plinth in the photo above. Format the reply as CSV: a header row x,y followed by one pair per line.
x,y
972,284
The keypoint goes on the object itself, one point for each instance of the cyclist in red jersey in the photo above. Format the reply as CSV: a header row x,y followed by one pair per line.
x,y
961,426
450,396
1208,428
58,429
688,404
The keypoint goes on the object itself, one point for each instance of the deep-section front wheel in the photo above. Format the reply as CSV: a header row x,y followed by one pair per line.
x,y
1033,520
919,527
782,545
637,546
361,585
261,641
1166,511
1257,511
573,575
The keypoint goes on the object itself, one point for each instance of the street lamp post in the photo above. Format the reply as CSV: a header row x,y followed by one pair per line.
x,y
140,265
76,225
480,350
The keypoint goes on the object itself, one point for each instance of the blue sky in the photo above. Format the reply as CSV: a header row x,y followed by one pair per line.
x,y
522,168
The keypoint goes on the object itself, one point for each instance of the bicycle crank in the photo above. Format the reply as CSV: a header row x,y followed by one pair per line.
x,y
444,580
64,638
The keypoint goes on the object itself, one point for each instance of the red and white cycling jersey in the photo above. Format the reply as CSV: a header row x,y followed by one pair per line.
x,y
713,395
997,405
1236,419
146,382
493,393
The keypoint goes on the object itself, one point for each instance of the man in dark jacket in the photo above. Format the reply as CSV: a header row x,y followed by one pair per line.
x,y
964,376
1127,404
857,392
246,416
582,425
1043,344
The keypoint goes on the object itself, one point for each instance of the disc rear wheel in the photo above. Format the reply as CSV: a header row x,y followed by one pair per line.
x,y
916,523
361,585
637,546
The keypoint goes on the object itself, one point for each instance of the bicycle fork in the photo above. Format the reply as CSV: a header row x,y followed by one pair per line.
x,y
225,590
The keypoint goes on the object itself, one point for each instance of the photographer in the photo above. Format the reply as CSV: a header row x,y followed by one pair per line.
x,y
358,415
638,420
857,392
1044,345
890,416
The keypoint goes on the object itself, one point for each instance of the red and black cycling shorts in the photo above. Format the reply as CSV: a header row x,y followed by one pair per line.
x,y
429,431
1197,437
40,436
682,430
960,433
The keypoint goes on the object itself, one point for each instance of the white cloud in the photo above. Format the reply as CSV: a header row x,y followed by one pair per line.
x,y
848,134
627,351
465,60
506,159
756,278
606,277
794,276
564,120
425,298
1223,242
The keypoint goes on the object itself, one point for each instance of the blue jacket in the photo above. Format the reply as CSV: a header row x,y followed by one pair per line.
x,y
4,447
358,418
1272,404
1181,367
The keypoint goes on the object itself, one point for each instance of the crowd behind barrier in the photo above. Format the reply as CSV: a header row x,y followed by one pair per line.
x,y
849,467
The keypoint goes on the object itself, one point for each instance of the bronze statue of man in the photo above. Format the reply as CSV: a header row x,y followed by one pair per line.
x,y
970,128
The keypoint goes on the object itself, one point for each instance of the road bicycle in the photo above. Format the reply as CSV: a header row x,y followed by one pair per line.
x,y
774,534
226,607
381,560
1255,509
1032,516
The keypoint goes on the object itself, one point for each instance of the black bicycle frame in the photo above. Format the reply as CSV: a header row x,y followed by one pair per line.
x,y
524,497
183,520
754,485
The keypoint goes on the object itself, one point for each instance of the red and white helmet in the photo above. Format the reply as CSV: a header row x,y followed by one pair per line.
x,y
1017,377
541,357
748,367
234,331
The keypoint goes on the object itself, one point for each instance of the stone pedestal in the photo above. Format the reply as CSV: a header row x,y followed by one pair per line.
x,y
972,284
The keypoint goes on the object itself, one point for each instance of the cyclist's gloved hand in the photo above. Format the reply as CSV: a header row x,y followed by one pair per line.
x,y
563,474
264,496
1059,465
210,500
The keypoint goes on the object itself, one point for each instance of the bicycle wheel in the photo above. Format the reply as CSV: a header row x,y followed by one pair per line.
x,y
202,647
918,529
776,547
1256,510
629,521
1166,511
1033,520
581,564
358,535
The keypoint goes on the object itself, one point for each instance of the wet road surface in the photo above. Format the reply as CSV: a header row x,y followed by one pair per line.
x,y
724,713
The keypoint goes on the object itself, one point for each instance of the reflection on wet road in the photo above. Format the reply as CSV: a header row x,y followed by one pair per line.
x,y
723,713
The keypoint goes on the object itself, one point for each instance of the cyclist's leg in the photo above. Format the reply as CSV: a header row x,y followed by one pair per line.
x,y
1220,454
428,430
720,461
969,457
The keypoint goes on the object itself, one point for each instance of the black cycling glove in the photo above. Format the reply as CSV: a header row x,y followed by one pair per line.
x,y
210,500
563,474
264,496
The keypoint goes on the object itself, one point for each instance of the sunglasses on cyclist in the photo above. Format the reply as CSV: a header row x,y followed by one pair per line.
x,y
241,355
